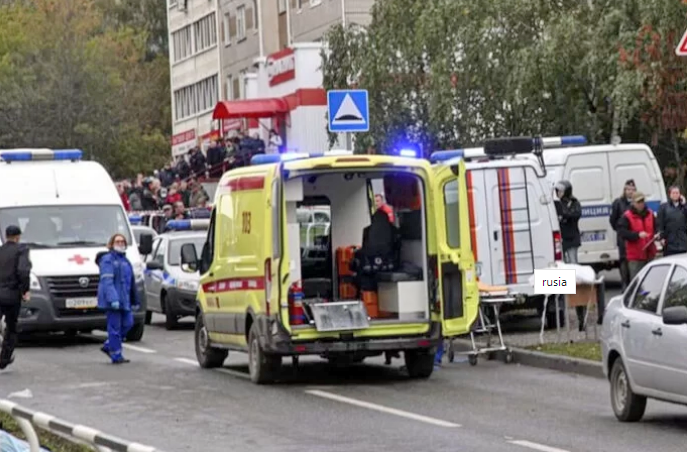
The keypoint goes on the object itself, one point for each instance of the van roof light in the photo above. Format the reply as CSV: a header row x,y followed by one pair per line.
x,y
135,219
442,156
187,225
412,153
41,154
568,140
266,159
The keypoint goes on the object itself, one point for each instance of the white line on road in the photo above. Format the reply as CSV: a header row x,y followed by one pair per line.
x,y
190,362
381,408
138,349
536,446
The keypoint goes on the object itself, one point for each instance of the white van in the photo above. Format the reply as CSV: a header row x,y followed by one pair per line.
x,y
513,221
598,175
67,210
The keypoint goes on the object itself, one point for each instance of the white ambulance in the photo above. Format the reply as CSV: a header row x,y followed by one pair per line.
x,y
67,210
598,175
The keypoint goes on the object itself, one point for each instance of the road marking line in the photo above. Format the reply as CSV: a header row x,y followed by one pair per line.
x,y
381,408
188,361
138,349
536,446
235,373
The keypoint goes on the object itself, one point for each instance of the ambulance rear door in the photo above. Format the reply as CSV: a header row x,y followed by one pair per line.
x,y
457,289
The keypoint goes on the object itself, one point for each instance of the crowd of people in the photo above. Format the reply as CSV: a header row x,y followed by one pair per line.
x,y
177,186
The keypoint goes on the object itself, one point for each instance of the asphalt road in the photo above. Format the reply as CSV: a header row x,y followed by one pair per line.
x,y
164,399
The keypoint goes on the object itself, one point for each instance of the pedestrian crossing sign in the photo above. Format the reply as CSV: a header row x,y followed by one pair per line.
x,y
348,110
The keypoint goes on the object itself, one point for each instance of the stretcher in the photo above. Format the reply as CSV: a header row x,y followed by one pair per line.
x,y
491,298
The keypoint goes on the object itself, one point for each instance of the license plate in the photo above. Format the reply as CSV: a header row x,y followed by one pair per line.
x,y
81,303
340,316
596,236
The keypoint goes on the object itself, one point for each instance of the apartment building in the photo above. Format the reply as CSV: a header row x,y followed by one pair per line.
x,y
195,72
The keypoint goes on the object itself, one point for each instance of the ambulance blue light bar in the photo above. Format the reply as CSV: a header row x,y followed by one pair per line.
x,y
412,153
41,154
266,159
442,156
135,219
187,225
564,141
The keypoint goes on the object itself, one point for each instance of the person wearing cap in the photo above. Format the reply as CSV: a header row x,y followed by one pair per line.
x,y
15,282
637,228
619,207
672,223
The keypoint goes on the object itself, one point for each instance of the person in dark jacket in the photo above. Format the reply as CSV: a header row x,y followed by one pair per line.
x,y
569,212
637,228
117,296
149,200
672,223
618,208
15,282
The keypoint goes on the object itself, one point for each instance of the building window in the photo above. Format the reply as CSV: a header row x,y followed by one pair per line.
x,y
241,22
226,29
205,32
299,4
281,4
242,86
196,98
256,16
229,88
172,3
182,42
236,88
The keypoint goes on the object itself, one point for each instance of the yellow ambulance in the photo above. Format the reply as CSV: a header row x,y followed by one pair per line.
x,y
267,291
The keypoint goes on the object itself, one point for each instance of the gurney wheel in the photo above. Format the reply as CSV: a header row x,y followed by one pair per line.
x,y
472,359
509,357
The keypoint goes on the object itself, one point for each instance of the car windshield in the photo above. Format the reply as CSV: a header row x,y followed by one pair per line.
x,y
174,254
66,226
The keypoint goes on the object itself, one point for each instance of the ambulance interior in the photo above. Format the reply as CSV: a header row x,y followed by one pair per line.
x,y
360,254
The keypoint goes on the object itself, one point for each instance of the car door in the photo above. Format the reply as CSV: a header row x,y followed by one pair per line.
x,y
670,341
638,322
459,297
157,276
149,273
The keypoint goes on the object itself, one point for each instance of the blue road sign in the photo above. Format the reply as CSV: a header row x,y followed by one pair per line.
x,y
349,110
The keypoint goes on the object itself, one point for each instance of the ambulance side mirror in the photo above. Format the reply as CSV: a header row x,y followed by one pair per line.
x,y
189,258
145,247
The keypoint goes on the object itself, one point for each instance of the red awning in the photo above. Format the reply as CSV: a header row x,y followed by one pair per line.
x,y
250,108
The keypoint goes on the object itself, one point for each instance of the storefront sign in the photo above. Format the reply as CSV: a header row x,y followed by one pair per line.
x,y
281,67
183,142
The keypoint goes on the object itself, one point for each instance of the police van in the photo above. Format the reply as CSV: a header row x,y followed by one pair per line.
x,y
598,175
257,294
67,209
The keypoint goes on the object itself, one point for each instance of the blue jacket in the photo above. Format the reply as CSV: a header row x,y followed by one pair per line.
x,y
117,282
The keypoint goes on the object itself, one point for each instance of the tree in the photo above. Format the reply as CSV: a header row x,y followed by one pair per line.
x,y
82,83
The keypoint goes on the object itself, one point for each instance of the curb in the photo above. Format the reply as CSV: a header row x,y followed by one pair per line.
x,y
543,360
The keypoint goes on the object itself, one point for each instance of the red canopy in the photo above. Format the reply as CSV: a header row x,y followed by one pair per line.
x,y
250,108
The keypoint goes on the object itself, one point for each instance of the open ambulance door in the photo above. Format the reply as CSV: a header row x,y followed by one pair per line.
x,y
278,267
458,291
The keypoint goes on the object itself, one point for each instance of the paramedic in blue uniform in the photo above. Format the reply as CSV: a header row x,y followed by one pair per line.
x,y
117,296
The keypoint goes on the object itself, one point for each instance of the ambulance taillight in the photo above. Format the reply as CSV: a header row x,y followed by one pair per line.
x,y
557,246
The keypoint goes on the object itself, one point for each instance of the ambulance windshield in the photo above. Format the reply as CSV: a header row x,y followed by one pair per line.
x,y
66,226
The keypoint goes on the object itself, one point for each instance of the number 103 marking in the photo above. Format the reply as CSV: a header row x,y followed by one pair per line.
x,y
246,222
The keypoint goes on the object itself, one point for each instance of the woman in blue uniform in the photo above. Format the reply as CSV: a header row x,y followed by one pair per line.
x,y
117,296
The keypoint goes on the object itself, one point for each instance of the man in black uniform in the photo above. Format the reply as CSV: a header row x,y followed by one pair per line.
x,y
15,282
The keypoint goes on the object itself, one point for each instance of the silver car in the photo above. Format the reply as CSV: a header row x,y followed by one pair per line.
x,y
644,339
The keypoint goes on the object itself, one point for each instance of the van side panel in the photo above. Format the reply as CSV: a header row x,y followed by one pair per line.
x,y
641,166
588,174
479,223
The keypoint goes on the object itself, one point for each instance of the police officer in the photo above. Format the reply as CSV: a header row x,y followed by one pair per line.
x,y
15,282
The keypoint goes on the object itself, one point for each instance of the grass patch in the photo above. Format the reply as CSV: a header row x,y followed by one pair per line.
x,y
584,350
47,439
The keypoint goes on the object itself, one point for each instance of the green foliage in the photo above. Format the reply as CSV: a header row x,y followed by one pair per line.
x,y
446,73
85,81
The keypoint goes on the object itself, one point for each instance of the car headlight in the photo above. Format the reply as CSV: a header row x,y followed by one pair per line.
x,y
138,271
191,286
34,284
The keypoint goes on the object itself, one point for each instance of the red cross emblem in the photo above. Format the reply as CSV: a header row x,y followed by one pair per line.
x,y
78,259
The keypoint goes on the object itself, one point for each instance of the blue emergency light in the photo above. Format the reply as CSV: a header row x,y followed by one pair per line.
x,y
412,153
442,156
569,140
135,219
187,225
41,154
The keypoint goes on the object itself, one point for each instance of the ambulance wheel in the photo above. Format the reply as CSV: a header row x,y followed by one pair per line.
x,y
263,367
420,363
136,332
149,317
208,357
472,359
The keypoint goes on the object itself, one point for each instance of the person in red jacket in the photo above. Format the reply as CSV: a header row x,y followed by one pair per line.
x,y
173,196
124,197
637,228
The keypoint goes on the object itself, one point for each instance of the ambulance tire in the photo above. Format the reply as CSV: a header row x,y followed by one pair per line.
x,y
136,332
208,357
262,367
420,363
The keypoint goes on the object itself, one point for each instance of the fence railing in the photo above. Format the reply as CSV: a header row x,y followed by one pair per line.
x,y
28,420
